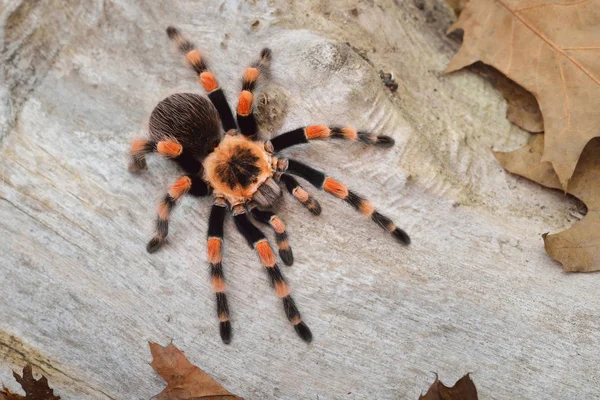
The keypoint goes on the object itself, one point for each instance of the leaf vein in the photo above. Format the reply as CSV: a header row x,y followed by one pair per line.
x,y
550,4
564,84
582,48
512,45
549,42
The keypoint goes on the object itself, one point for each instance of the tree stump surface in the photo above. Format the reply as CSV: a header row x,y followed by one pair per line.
x,y
475,291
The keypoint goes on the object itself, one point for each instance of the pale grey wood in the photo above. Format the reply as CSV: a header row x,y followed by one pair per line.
x,y
475,292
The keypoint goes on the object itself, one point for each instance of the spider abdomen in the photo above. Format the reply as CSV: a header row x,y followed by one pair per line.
x,y
189,119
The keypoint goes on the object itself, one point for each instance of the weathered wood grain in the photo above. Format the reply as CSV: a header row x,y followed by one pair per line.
x,y
475,292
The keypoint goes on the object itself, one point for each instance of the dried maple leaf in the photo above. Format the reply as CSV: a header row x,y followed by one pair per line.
x,y
34,389
552,49
184,380
463,389
577,248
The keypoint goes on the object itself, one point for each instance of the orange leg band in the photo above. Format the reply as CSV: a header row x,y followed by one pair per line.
x,y
265,253
169,149
208,81
245,103
335,188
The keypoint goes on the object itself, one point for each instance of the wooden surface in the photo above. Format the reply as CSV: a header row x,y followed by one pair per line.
x,y
475,292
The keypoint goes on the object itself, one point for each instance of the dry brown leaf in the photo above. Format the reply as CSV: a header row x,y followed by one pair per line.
x,y
552,49
6,394
523,109
463,389
457,5
184,380
34,389
577,248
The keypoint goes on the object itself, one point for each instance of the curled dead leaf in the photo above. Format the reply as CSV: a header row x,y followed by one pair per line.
x,y
551,49
463,389
35,389
184,380
577,248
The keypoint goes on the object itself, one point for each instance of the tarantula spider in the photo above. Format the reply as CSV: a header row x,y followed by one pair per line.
x,y
241,172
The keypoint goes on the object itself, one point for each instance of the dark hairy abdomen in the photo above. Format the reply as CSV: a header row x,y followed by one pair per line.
x,y
190,119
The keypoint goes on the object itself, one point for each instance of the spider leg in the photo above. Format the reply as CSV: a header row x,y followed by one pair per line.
x,y
137,154
245,113
188,183
165,148
292,186
256,239
206,77
269,218
339,190
215,258
315,132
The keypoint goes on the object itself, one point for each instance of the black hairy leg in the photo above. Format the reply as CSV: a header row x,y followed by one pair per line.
x,y
315,132
257,240
137,154
167,149
339,190
281,236
206,77
245,112
185,184
305,198
215,259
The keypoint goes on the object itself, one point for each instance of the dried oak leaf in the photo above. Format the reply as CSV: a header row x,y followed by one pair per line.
x,y
523,109
34,389
463,389
577,248
552,49
184,380
457,5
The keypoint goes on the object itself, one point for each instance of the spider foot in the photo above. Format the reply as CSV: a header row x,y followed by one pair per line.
x,y
135,166
225,331
313,205
401,236
286,256
154,244
303,331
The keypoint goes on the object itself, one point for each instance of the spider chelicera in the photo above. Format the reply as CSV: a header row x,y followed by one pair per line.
x,y
241,172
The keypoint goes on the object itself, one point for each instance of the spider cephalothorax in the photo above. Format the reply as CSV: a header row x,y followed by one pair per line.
x,y
241,172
